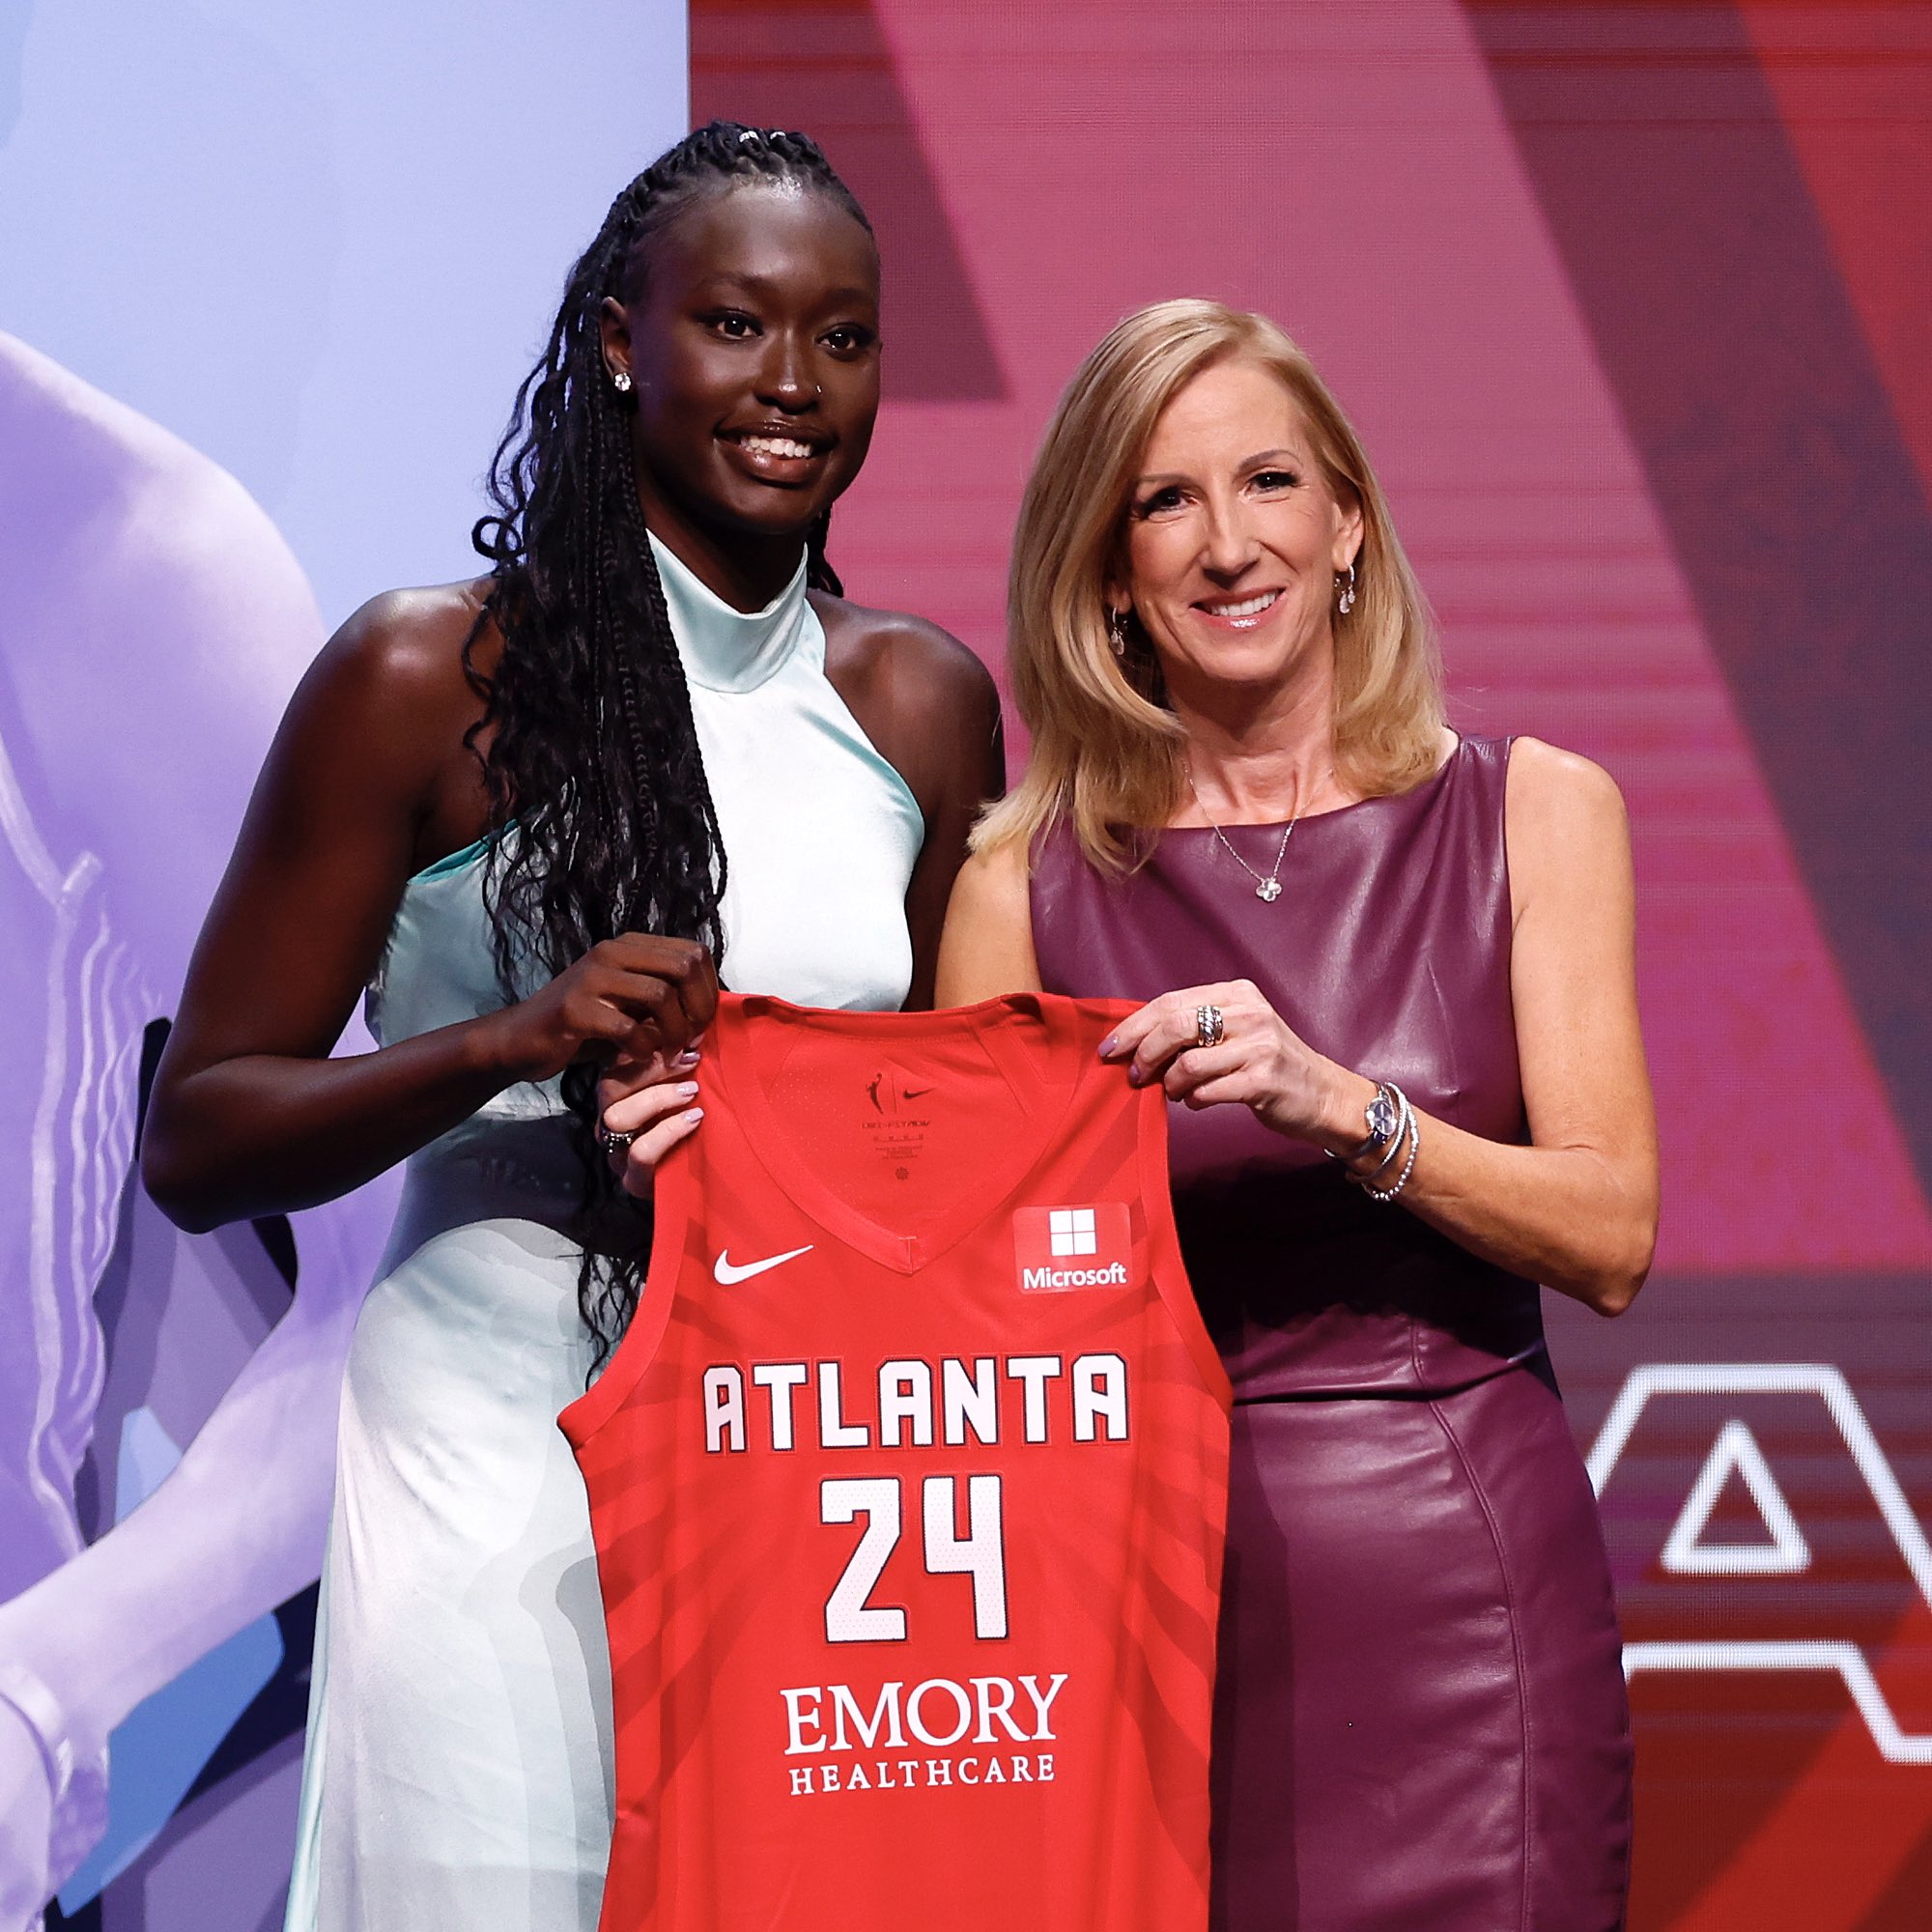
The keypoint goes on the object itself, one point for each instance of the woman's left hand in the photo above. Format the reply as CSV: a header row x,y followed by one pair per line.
x,y
1260,1062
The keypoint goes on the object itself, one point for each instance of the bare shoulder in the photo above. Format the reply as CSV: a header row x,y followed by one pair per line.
x,y
988,946
995,881
917,657
406,644
1566,828
387,700
929,707
1544,779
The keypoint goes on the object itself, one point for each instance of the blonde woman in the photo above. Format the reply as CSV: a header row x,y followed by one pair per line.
x,y
1389,980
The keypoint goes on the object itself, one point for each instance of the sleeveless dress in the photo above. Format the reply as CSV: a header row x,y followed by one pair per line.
x,y
459,1758
1420,1714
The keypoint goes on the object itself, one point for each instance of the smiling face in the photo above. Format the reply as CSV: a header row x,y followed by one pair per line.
x,y
1235,538
753,343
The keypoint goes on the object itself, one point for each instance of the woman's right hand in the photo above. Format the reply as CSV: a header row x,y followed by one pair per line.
x,y
654,1102
638,998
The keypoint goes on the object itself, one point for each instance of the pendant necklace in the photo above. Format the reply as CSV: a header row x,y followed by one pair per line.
x,y
1267,889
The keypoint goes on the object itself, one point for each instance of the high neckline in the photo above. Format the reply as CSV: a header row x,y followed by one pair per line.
x,y
725,650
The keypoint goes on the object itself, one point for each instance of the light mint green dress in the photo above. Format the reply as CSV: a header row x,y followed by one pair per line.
x,y
458,1771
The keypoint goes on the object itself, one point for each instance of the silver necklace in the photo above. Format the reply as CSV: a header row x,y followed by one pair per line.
x,y
1269,888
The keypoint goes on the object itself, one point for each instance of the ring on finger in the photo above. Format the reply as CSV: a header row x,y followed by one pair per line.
x,y
613,1140
1210,1028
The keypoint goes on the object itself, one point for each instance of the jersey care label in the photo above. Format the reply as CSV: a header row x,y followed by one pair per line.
x,y
1057,1249
897,1120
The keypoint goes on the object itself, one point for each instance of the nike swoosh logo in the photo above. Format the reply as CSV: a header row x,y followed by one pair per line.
x,y
726,1271
917,1093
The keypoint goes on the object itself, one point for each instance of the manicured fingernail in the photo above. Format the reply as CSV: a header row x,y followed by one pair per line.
x,y
695,1114
686,1090
1107,1046
688,1057
1133,1076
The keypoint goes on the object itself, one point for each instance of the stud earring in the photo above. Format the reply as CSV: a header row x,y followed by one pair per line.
x,y
1347,601
620,381
1117,631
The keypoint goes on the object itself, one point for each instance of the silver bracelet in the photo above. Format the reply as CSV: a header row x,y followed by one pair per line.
x,y
76,1775
1386,1194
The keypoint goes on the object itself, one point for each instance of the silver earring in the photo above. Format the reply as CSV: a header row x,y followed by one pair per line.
x,y
620,381
1347,601
1116,631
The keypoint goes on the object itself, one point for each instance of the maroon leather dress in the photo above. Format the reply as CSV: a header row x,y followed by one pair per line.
x,y
1421,1723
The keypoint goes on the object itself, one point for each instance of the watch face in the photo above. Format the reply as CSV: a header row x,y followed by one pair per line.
x,y
1381,1117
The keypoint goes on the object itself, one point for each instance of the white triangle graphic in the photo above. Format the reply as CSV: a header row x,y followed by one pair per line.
x,y
1685,1554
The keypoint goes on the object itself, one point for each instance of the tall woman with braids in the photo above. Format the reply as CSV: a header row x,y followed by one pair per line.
x,y
530,814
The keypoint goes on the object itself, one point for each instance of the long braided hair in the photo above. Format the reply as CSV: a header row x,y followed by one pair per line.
x,y
592,755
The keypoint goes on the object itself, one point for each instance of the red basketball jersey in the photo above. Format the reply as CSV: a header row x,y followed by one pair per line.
x,y
907,1486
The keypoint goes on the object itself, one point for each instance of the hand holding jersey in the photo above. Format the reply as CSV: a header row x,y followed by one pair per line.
x,y
1254,1060
907,1485
644,1111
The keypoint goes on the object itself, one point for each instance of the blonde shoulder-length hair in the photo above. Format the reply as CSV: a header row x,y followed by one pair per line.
x,y
1106,750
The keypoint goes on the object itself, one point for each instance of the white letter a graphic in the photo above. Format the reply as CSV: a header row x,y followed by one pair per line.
x,y
1687,1554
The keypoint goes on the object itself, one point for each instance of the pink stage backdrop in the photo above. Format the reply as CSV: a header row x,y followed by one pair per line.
x,y
1634,305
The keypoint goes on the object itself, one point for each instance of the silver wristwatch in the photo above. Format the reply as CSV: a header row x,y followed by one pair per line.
x,y
1383,1116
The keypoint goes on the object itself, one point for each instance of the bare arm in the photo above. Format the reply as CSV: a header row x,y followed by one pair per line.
x,y
367,781
972,773
1578,1208
931,709
987,945
249,1115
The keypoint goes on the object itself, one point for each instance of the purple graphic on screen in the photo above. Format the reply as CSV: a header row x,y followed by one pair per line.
x,y
158,1501
278,293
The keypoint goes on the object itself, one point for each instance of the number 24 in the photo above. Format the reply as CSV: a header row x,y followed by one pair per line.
x,y
981,1553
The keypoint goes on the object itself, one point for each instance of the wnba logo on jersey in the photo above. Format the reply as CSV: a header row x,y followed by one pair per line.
x,y
893,1096
1060,1248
